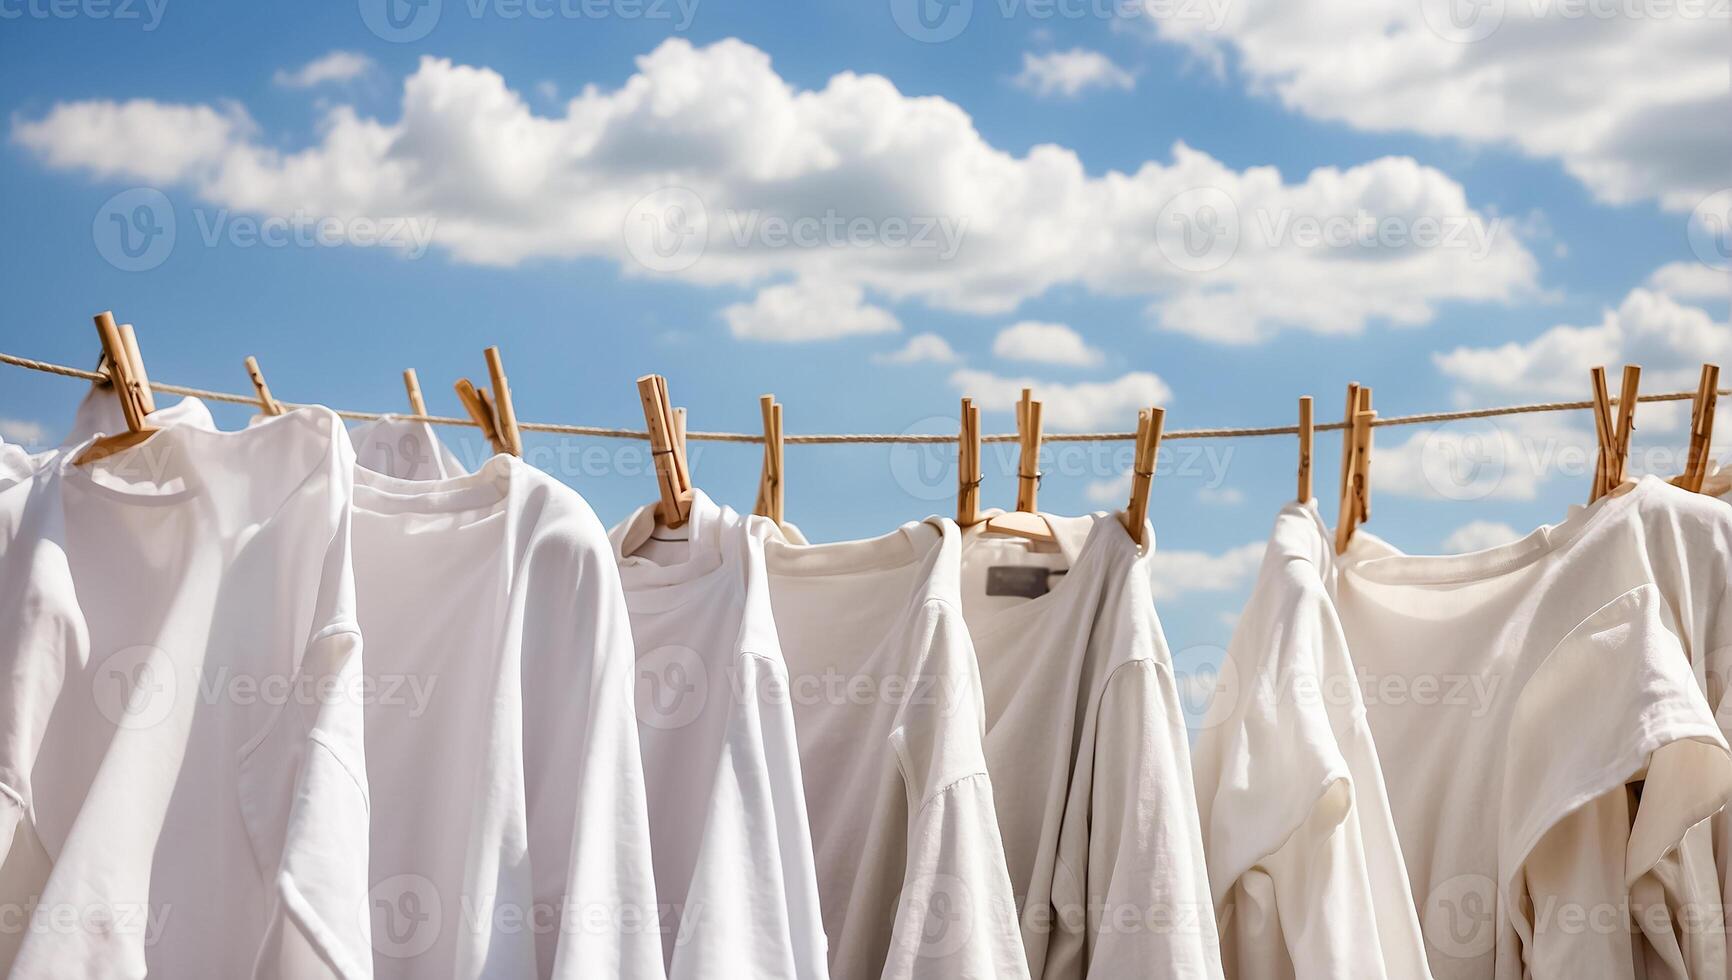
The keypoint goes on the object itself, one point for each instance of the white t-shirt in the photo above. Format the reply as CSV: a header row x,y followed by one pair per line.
x,y
1304,863
99,414
180,710
403,448
1517,696
1086,743
727,808
509,830
888,710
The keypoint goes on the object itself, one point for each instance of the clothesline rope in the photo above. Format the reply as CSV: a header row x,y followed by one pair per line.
x,y
869,438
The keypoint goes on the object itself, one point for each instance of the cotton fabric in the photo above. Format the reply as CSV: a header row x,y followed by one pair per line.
x,y
1518,696
727,807
1087,749
890,721
403,448
180,730
1305,868
509,833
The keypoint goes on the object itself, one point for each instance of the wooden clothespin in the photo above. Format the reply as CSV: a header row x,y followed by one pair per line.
x,y
493,413
770,486
129,340
1355,503
968,466
673,478
504,413
1701,429
126,387
1150,421
1614,439
1306,431
480,409
680,441
412,385
267,404
1025,521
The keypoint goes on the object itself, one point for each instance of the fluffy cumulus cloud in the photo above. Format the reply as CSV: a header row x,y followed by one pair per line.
x,y
338,66
1527,74
1668,338
1175,572
808,309
1070,73
921,348
1049,343
708,166
1692,280
1088,405
1506,458
1478,536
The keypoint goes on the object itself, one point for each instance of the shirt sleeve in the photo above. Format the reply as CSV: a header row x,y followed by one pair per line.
x,y
753,901
586,813
1144,890
1614,704
1291,871
956,916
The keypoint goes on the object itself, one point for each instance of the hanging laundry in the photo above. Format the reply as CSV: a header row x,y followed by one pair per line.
x,y
403,448
887,708
727,807
170,619
1304,863
1086,744
507,791
1545,745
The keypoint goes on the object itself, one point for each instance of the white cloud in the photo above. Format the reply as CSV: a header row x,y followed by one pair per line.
x,y
138,139
1478,536
808,309
22,432
1114,490
1670,340
338,66
1087,405
922,347
1177,572
1224,496
1692,280
1049,343
1507,458
1659,132
1070,73
947,218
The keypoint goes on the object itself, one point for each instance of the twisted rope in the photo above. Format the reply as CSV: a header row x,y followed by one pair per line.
x,y
873,438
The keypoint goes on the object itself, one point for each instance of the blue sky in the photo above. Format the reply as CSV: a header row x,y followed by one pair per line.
x,y
1015,178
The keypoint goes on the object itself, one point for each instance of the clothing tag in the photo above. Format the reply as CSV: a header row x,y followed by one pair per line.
x,y
1022,581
